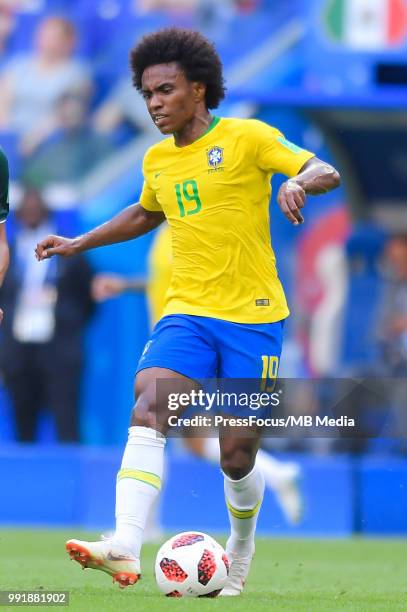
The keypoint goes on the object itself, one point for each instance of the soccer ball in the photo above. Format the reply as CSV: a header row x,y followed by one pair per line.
x,y
191,564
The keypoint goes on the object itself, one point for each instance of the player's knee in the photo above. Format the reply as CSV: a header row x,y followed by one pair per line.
x,y
236,463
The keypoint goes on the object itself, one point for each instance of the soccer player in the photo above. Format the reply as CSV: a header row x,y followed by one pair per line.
x,y
225,308
4,208
281,477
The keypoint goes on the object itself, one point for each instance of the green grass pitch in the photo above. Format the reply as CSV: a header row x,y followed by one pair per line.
x,y
287,574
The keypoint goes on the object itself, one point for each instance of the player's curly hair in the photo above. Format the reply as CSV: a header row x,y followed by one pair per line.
x,y
195,55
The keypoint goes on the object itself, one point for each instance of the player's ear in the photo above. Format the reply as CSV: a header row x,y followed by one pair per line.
x,y
199,91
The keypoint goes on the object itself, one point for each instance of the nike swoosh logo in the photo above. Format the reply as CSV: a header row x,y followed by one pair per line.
x,y
157,174
111,557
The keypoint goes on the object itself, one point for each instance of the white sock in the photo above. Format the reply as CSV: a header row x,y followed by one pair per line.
x,y
152,527
138,484
243,500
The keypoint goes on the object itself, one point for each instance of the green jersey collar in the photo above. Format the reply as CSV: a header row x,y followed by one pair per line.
x,y
213,123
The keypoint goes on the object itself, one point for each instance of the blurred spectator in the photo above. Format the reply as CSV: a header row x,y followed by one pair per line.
x,y
393,327
32,85
47,305
71,151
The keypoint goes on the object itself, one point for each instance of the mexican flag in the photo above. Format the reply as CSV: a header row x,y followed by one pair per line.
x,y
367,24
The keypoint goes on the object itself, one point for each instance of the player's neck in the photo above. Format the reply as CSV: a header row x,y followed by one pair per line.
x,y
193,130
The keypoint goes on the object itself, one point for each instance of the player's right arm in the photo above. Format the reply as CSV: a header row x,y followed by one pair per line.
x,y
132,222
307,174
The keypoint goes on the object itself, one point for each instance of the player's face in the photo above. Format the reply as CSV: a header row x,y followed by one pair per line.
x,y
171,99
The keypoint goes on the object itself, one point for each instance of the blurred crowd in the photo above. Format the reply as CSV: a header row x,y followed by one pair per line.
x,y
355,343
47,113
65,94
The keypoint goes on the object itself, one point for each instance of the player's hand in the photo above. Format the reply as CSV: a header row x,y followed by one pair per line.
x,y
291,198
1,315
56,245
105,286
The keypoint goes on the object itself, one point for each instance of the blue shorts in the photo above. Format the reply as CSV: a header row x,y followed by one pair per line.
x,y
203,347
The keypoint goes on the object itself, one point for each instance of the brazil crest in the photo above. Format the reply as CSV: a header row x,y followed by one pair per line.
x,y
215,156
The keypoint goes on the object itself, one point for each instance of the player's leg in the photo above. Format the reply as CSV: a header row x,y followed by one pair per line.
x,y
244,483
244,490
140,476
138,483
183,345
246,352
281,477
177,344
153,532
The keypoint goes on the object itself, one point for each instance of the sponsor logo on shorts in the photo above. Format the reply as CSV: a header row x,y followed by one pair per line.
x,y
263,302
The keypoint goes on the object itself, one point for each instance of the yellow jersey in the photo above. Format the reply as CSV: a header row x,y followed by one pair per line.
x,y
215,194
159,272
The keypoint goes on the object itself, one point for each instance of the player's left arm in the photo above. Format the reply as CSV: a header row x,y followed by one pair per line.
x,y
315,177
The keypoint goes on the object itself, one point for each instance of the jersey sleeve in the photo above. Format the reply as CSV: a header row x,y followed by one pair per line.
x,y
4,180
276,154
148,199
